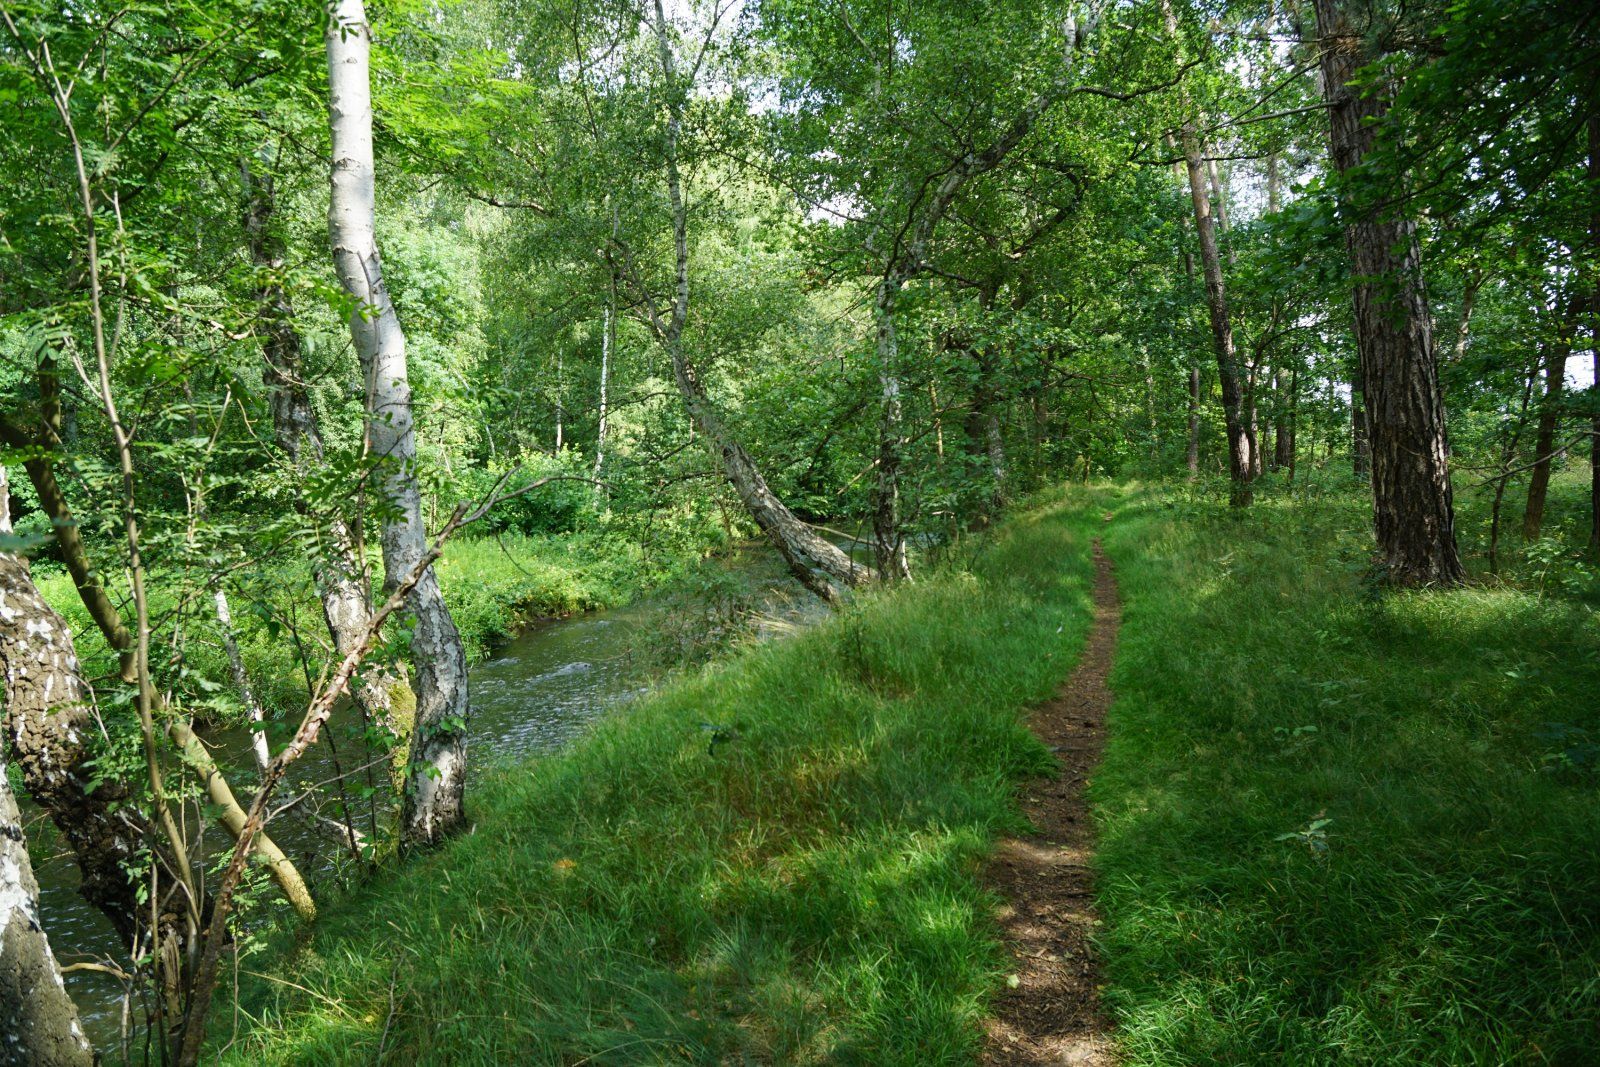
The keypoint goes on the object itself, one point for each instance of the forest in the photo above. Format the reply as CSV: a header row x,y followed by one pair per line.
x,y
799,531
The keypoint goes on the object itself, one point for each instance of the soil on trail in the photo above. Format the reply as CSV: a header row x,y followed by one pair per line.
x,y
1052,1015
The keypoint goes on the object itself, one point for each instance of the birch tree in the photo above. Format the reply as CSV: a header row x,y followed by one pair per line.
x,y
38,1021
436,775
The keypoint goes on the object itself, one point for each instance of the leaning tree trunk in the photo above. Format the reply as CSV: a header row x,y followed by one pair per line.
x,y
38,1021
1413,510
433,805
381,690
817,563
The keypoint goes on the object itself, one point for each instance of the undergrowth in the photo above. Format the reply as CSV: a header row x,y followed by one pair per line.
x,y
776,859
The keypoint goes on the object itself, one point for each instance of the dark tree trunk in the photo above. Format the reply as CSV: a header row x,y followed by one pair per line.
x,y
1360,441
1194,423
1413,510
1594,312
1544,446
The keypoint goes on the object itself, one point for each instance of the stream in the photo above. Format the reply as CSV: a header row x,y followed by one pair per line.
x,y
535,695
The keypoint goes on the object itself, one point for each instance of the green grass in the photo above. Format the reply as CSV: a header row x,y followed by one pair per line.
x,y
807,892
1446,912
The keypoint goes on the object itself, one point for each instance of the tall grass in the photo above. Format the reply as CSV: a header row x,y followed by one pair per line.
x,y
774,860
1342,826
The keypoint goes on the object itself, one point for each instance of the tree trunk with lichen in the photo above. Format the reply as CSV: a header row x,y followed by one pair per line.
x,y
38,1020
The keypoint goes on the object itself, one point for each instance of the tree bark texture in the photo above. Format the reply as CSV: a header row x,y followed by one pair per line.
x,y
381,690
436,777
1413,509
38,1020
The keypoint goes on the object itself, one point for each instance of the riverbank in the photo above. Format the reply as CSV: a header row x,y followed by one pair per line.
x,y
496,586
778,858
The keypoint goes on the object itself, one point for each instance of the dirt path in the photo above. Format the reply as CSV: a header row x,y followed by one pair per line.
x,y
1052,1015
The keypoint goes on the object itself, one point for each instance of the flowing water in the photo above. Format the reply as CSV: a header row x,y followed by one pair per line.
x,y
537,694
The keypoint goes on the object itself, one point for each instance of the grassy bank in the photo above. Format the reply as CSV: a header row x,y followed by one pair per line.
x,y
774,860
1341,827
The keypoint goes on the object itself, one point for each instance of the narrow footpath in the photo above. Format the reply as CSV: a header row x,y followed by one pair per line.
x,y
1050,1013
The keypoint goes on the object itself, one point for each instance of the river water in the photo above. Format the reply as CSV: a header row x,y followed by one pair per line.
x,y
535,695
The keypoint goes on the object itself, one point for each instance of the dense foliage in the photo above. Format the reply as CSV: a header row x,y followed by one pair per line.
x,y
674,276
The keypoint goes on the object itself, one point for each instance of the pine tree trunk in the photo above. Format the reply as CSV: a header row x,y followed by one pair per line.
x,y
1413,510
436,779
1360,440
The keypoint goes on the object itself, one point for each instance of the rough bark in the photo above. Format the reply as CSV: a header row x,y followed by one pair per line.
x,y
1360,438
381,690
38,1021
51,728
436,777
1413,509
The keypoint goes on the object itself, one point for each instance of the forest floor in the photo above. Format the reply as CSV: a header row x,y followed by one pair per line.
x,y
1334,825
1052,1014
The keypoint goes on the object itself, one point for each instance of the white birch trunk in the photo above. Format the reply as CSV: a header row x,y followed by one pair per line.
x,y
381,690
38,1021
436,774
607,340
